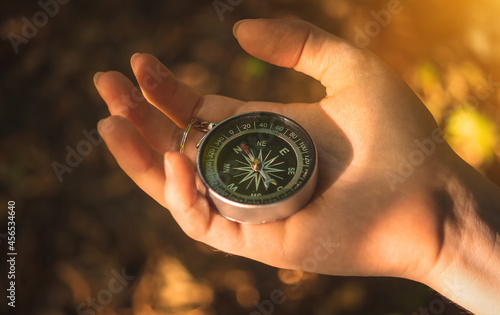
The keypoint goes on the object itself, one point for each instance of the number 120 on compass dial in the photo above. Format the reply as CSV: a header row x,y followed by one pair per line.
x,y
258,167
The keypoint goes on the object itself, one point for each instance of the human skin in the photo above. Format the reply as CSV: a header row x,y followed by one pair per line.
x,y
438,224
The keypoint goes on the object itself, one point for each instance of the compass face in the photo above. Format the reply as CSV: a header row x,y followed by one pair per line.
x,y
257,158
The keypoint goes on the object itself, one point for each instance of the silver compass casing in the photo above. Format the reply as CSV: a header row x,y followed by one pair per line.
x,y
261,213
275,211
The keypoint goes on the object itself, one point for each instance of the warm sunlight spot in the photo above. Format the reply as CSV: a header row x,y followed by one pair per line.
x,y
472,135
337,9
290,277
197,76
234,279
246,295
349,296
167,285
179,288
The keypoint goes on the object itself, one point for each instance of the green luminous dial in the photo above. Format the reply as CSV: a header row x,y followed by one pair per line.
x,y
258,159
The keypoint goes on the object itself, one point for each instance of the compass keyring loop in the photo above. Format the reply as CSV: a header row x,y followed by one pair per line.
x,y
197,125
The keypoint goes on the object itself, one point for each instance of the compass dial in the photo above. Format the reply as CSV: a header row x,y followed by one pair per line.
x,y
257,158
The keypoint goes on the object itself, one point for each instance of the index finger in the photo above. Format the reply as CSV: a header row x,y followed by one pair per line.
x,y
160,87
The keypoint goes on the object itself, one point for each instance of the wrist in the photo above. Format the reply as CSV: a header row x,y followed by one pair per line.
x,y
466,269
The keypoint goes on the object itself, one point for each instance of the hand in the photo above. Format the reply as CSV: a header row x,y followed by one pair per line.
x,y
380,205
368,120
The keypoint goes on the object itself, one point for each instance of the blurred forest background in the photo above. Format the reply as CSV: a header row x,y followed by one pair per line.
x,y
74,236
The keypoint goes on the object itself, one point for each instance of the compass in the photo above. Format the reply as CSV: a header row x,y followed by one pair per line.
x,y
258,166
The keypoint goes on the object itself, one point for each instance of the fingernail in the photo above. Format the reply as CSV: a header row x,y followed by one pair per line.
x,y
97,75
236,26
133,57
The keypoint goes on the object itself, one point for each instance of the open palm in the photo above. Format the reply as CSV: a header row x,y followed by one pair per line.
x,y
361,220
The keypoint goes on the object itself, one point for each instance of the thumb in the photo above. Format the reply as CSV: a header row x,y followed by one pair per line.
x,y
181,196
306,48
192,211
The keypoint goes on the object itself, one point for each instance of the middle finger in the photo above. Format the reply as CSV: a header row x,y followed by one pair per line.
x,y
125,100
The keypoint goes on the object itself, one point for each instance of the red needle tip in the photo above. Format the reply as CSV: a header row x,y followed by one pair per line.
x,y
244,148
